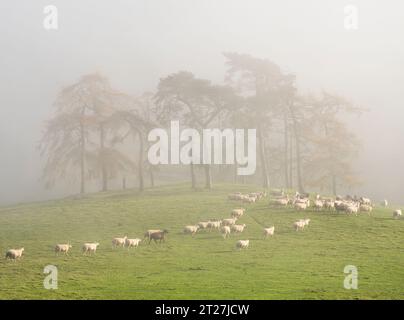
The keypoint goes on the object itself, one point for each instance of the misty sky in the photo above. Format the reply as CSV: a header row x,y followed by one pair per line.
x,y
136,42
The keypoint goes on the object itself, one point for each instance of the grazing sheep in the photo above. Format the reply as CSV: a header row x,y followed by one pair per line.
x,y
229,222
305,221
329,204
203,224
301,206
160,235
237,213
397,214
363,200
299,225
90,247
214,225
235,196
352,208
132,243
192,230
225,231
318,204
119,242
248,199
62,248
14,254
269,231
281,202
150,231
242,244
238,228
365,208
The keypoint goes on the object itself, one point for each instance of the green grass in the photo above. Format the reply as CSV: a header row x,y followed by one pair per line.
x,y
291,265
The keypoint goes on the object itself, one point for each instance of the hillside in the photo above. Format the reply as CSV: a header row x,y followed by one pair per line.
x,y
291,265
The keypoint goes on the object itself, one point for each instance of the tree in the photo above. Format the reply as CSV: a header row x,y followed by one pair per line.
x,y
196,102
83,111
257,80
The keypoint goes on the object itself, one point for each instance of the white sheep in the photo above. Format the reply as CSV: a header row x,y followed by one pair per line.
x,y
237,212
229,222
269,231
238,228
299,225
203,224
242,244
365,208
132,242
214,225
281,202
397,214
225,230
90,247
119,242
14,254
62,248
191,230
301,205
318,204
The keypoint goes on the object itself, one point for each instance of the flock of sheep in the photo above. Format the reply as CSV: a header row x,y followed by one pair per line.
x,y
348,204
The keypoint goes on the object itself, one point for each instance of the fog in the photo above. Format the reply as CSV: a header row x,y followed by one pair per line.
x,y
135,43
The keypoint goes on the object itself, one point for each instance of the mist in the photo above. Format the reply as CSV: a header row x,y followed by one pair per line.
x,y
135,43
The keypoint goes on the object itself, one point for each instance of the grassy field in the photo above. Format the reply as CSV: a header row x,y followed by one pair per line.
x,y
291,265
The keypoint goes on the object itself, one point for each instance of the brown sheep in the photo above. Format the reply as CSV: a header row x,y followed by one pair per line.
x,y
159,235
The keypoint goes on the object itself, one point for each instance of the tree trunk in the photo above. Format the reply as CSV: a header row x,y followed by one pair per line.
x,y
265,181
104,172
286,138
140,162
208,176
298,155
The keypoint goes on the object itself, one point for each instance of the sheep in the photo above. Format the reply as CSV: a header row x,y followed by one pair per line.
x,y
235,196
300,206
329,204
150,231
225,230
14,254
352,208
214,225
62,248
305,221
119,242
242,244
363,200
229,222
90,247
237,213
365,208
397,214
160,235
191,230
318,204
281,201
203,224
238,227
269,232
249,199
132,243
299,225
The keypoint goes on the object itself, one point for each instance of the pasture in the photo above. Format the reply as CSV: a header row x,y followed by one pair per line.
x,y
290,265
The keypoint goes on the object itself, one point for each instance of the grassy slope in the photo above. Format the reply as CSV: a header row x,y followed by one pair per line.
x,y
291,265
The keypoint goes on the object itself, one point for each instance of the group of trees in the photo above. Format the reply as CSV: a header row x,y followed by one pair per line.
x,y
302,140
